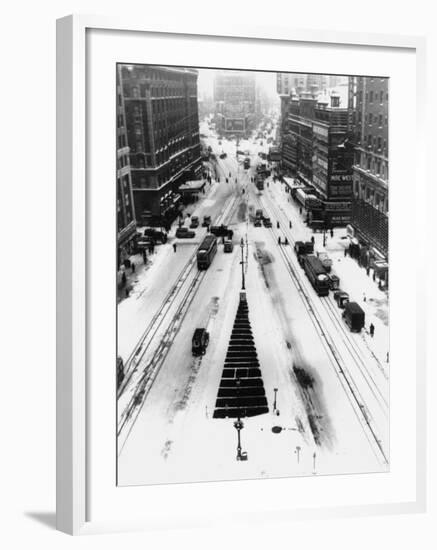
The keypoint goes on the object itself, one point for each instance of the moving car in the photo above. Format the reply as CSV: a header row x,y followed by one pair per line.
x,y
257,222
223,155
199,342
228,246
194,222
342,298
206,221
184,233
219,230
267,222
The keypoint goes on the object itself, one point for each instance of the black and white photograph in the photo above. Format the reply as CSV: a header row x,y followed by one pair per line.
x,y
252,275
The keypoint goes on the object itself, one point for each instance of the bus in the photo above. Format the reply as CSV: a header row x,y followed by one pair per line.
x,y
316,274
206,251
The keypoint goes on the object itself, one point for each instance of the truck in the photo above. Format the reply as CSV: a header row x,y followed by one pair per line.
x,y
354,316
316,274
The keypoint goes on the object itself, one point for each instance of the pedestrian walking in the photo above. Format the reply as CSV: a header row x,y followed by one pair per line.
x,y
144,256
332,233
174,247
368,270
279,240
312,239
345,252
300,209
372,329
286,240
290,225
277,225
133,267
386,359
153,248
123,279
127,292
364,297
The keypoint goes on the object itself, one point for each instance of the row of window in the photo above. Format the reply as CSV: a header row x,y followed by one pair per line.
x,y
377,97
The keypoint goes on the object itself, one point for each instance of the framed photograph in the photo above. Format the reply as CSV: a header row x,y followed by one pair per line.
x,y
239,337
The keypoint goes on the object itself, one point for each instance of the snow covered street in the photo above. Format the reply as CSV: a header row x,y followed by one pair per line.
x,y
327,389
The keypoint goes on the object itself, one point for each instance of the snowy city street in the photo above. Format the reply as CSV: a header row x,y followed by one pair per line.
x,y
326,388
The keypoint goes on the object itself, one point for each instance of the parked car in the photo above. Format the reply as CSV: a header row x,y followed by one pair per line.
x,y
157,236
257,222
184,233
206,221
194,222
228,246
200,341
267,222
223,155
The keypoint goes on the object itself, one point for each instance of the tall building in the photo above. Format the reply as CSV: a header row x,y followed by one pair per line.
x,y
126,226
235,100
368,120
316,150
161,112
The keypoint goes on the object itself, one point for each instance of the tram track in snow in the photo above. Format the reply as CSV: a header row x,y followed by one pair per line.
x,y
147,368
361,410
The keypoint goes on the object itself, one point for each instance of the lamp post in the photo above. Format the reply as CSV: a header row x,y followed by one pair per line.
x,y
274,400
239,425
243,287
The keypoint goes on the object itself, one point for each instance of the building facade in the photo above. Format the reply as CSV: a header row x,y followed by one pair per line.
x,y
162,121
235,103
368,121
316,150
126,225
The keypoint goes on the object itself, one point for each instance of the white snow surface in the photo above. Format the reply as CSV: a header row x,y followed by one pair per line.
x,y
174,437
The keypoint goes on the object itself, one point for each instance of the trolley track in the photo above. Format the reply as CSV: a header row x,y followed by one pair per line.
x,y
353,394
146,368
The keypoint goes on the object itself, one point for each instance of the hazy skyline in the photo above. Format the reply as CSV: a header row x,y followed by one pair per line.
x,y
266,80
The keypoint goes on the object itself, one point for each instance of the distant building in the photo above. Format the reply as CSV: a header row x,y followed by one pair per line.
x,y
161,112
235,102
368,121
126,226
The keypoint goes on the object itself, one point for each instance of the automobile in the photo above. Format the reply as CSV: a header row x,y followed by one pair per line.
x,y
219,230
206,221
199,342
155,235
194,222
184,233
341,297
228,246
267,222
239,152
257,222
259,213
223,155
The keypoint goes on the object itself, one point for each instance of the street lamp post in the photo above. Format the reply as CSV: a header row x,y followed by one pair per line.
x,y
274,400
243,287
